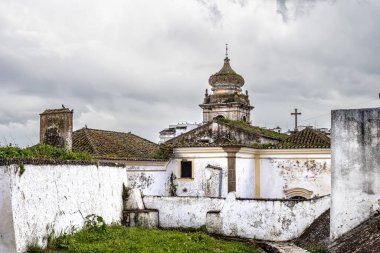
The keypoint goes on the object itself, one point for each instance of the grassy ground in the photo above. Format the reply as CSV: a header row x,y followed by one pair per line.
x,y
125,239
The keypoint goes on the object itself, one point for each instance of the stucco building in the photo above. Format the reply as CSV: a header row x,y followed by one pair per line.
x,y
224,154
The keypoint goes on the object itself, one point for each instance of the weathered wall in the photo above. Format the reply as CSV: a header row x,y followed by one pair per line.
x,y
151,178
182,212
356,164
259,173
273,220
56,127
280,173
245,176
276,220
206,181
48,198
7,235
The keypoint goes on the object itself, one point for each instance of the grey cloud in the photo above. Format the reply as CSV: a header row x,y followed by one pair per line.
x,y
140,73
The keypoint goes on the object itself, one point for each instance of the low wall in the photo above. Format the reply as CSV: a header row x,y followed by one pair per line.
x,y
182,212
274,220
55,198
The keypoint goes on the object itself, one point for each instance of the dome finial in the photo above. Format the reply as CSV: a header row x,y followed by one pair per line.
x,y
226,50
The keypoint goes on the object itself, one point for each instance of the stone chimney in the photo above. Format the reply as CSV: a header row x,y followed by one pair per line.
x,y
56,127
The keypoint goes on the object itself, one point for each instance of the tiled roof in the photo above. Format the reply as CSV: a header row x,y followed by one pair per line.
x,y
253,129
307,138
113,145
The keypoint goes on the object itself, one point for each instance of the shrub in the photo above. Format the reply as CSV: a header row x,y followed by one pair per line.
x,y
43,151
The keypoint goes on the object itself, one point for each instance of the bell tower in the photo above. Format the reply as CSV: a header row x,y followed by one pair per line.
x,y
227,99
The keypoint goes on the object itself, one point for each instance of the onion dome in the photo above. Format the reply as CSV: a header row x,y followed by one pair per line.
x,y
226,76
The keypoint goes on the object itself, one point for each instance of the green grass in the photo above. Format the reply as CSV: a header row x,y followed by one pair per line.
x,y
254,129
125,239
43,152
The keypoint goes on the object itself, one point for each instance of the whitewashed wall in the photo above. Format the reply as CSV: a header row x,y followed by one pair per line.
x,y
273,220
48,198
182,212
206,180
245,175
356,168
151,178
7,234
282,172
278,172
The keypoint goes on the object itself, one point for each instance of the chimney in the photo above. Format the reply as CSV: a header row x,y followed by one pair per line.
x,y
56,127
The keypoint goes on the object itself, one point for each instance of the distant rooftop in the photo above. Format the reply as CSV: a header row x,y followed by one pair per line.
x,y
113,145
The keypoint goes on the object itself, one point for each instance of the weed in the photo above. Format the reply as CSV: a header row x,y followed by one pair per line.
x,y
125,194
317,249
95,223
34,248
21,170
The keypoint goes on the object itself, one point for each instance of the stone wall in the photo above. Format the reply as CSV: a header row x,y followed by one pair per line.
x,y
56,127
356,168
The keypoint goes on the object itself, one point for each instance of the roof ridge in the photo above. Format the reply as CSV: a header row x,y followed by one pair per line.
x,y
90,141
110,131
253,127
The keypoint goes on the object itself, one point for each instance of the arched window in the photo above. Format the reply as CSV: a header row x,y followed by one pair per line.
x,y
298,193
219,117
244,119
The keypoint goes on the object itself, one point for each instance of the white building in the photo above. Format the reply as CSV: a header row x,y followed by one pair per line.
x,y
176,130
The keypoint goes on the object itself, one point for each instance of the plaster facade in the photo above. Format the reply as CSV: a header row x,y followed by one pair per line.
x,y
49,199
274,220
356,163
258,173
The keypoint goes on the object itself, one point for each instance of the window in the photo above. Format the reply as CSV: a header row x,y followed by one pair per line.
x,y
219,117
298,193
186,169
297,198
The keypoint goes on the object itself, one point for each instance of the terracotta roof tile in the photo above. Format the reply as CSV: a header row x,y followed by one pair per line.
x,y
113,145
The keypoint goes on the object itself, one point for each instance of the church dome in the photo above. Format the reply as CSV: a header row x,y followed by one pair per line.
x,y
226,76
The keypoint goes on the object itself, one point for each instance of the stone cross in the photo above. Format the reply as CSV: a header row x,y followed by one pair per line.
x,y
295,114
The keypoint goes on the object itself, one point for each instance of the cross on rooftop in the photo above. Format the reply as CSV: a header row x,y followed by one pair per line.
x,y
226,50
295,114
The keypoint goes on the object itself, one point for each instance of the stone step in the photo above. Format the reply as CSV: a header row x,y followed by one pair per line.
x,y
285,247
145,218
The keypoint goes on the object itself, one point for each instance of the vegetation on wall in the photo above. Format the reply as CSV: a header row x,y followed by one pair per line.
x,y
43,152
253,129
126,239
162,153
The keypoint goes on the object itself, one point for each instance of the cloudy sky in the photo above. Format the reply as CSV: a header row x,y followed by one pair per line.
x,y
141,65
